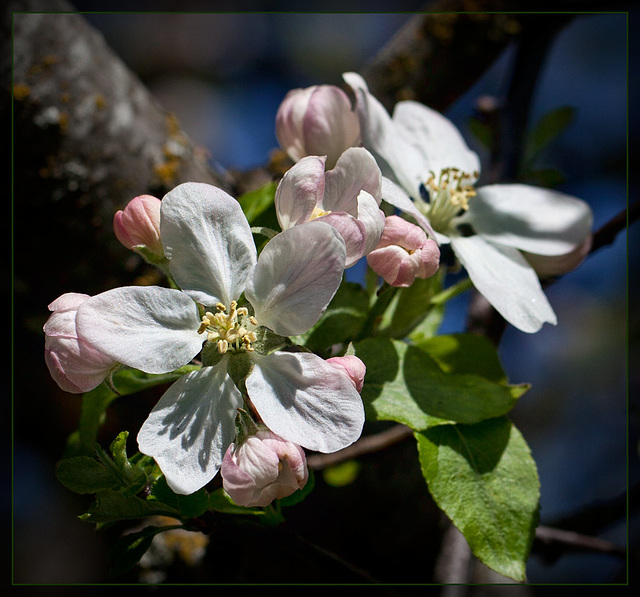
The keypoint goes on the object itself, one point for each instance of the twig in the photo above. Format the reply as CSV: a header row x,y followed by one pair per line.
x,y
607,234
572,541
365,445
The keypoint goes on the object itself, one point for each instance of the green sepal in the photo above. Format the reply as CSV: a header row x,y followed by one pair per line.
x,y
268,341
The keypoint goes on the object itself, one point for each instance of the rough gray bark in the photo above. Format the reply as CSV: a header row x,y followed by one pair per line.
x,y
438,55
87,138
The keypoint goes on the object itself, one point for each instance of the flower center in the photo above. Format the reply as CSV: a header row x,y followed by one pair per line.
x,y
317,213
230,331
448,196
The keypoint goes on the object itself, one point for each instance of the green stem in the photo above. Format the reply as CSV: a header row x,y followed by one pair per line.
x,y
453,290
384,298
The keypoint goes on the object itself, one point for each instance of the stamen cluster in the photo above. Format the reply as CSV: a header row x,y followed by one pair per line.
x,y
229,330
449,194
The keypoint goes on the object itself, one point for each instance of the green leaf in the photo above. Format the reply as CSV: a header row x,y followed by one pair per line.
x,y
543,177
482,131
84,474
113,506
404,384
342,320
465,353
409,307
547,129
188,506
484,478
255,203
127,550
342,474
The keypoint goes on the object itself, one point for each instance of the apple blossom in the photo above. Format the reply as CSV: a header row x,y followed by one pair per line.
x,y
317,120
430,174
404,253
74,365
138,225
214,262
262,468
347,197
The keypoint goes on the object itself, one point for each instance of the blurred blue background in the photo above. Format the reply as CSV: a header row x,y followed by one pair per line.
x,y
224,75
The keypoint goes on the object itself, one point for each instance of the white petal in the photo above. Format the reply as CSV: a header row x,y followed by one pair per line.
x,y
299,191
305,400
297,274
435,138
536,220
373,219
503,276
145,327
395,156
190,428
207,237
352,231
397,197
355,171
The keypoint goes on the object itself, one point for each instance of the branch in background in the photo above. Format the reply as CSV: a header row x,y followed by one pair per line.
x,y
440,54
365,445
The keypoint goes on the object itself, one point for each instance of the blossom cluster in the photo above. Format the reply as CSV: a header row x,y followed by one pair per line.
x,y
258,401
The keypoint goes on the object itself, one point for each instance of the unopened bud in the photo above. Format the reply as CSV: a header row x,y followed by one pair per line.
x,y
74,365
352,366
138,224
404,253
264,467
317,120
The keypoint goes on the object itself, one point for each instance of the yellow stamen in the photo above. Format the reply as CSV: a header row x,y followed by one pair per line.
x,y
230,331
318,212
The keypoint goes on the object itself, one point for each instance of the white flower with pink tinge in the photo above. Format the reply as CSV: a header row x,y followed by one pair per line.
x,y
213,259
348,197
503,234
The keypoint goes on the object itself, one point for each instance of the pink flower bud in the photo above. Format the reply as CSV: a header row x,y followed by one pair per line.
x,y
139,224
404,253
74,365
352,366
317,120
263,468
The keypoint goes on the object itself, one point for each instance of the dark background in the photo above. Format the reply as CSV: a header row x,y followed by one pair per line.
x,y
224,75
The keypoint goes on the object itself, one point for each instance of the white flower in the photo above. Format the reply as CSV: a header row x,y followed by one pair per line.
x,y
213,260
491,228
347,197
